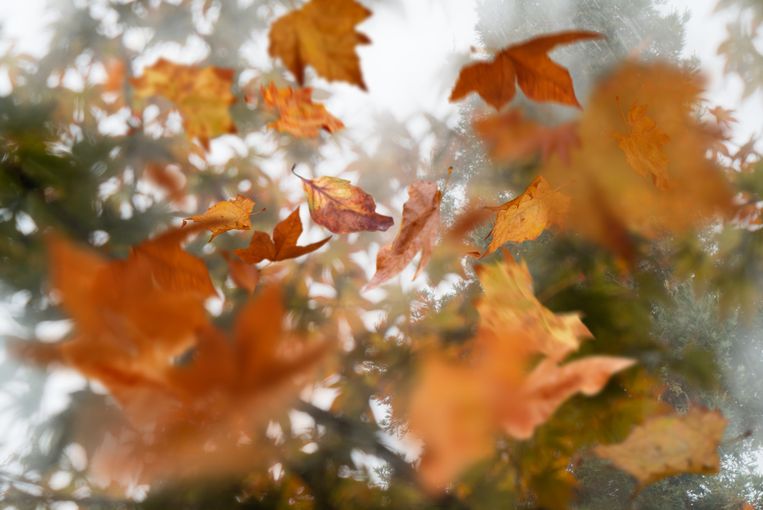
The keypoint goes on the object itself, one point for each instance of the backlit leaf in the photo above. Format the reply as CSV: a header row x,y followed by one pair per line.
x,y
298,115
227,215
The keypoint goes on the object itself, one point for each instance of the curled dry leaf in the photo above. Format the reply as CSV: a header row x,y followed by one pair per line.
x,y
527,216
298,115
610,199
669,445
419,229
511,137
321,34
227,215
459,407
341,207
282,246
526,63
201,94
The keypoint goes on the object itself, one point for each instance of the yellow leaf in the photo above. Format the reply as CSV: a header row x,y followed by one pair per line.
x,y
227,215
321,34
528,215
643,146
669,445
201,94
298,115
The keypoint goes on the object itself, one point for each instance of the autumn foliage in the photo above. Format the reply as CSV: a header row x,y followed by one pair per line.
x,y
508,328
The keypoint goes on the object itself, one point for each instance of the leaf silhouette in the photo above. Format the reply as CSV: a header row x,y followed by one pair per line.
x,y
282,246
298,115
201,94
341,207
526,63
418,231
321,34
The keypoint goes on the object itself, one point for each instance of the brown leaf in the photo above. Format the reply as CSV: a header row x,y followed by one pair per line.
x,y
321,34
201,94
510,137
283,245
245,276
418,231
298,115
341,207
527,216
669,445
526,63
227,215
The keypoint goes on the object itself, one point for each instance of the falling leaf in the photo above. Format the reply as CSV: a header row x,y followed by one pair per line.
x,y
245,276
527,64
723,117
510,137
283,245
670,445
298,115
527,216
643,146
171,180
611,201
418,231
459,407
321,34
341,207
201,94
227,215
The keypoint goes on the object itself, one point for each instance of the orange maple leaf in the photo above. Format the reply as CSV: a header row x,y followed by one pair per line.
x,y
527,216
341,207
644,146
419,229
282,246
298,115
201,94
321,34
510,137
227,215
526,63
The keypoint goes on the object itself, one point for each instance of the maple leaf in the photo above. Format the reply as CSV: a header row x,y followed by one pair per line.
x,y
643,146
527,216
419,228
227,215
201,94
723,117
298,115
458,407
510,137
283,245
669,445
526,63
612,201
341,207
321,34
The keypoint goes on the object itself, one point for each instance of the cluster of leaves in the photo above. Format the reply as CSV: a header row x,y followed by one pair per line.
x,y
510,404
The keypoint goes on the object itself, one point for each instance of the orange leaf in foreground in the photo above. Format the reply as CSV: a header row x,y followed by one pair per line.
x,y
283,245
527,216
669,445
643,146
341,207
298,115
418,231
201,94
610,200
526,63
321,34
458,408
227,215
510,137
